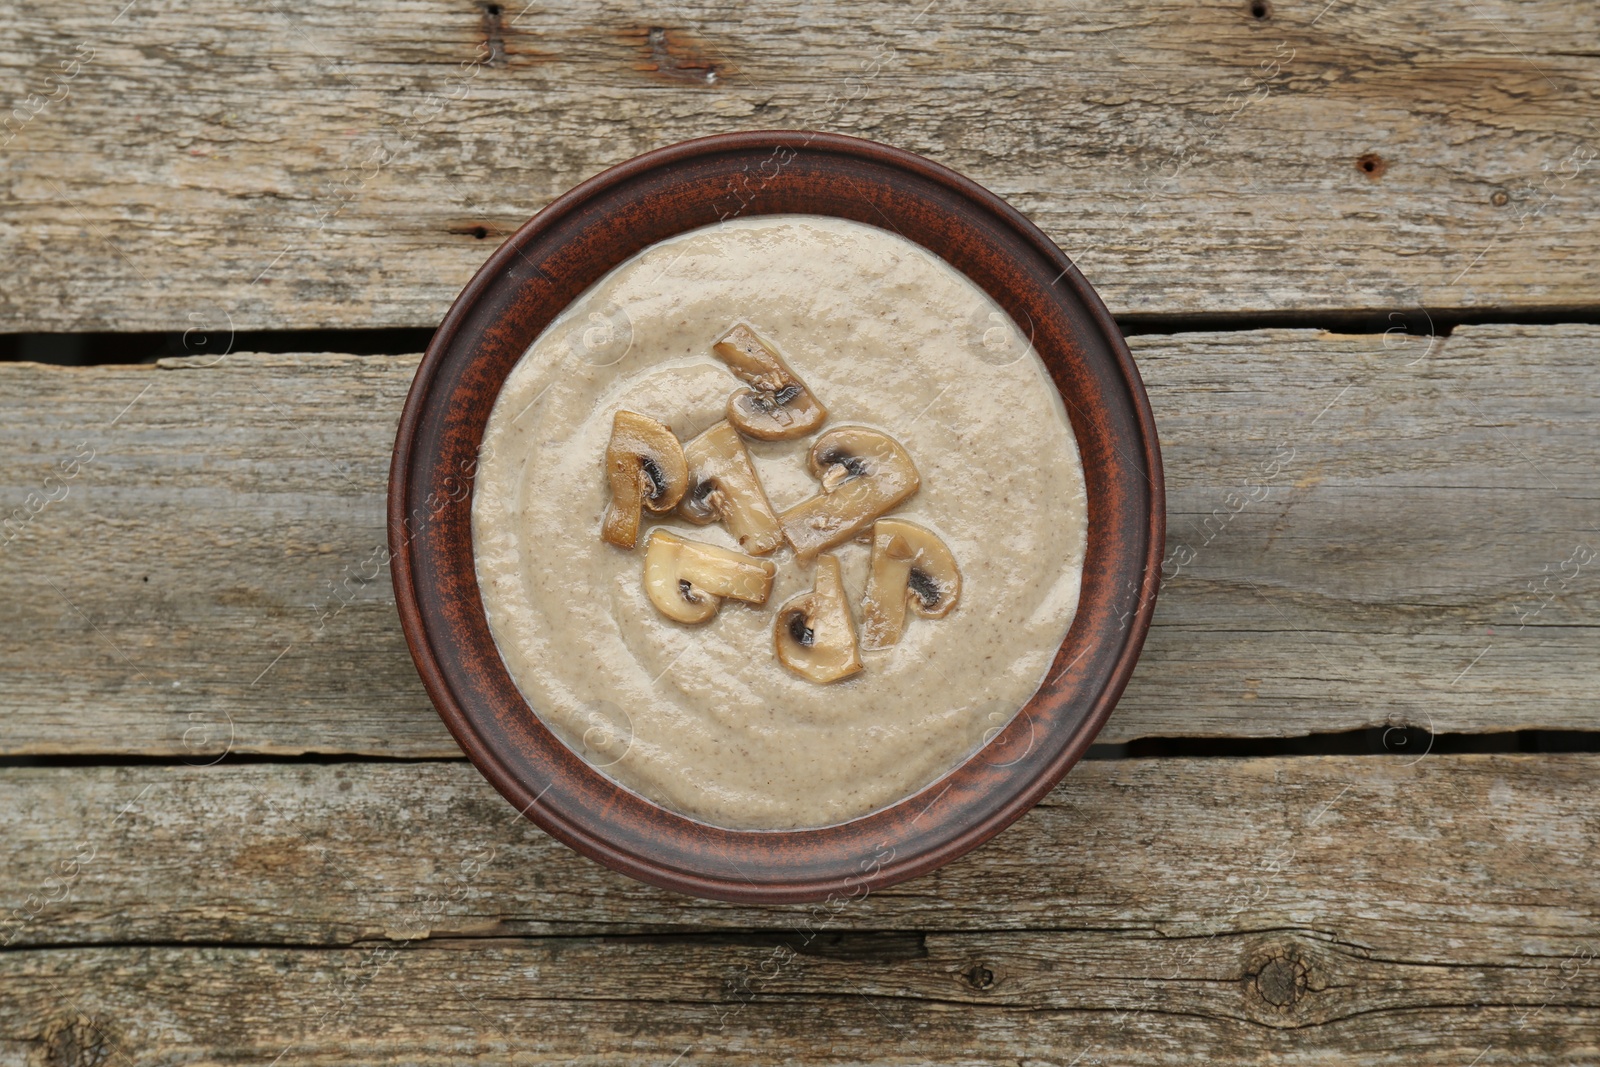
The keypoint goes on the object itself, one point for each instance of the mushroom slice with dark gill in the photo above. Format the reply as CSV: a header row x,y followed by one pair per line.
x,y
777,406
723,486
687,580
813,634
911,568
864,473
646,469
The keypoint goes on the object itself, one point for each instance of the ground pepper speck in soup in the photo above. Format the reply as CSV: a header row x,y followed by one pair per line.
x,y
704,718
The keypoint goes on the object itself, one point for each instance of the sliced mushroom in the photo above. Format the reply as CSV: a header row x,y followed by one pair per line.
x,y
912,568
813,634
646,469
777,406
687,579
863,473
723,486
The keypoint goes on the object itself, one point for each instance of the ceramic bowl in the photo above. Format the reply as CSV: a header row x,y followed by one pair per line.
x,y
558,254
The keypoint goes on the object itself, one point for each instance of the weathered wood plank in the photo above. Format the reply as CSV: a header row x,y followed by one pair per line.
x,y
1356,909
322,164
1375,530
1363,532
215,575
1057,999
1436,860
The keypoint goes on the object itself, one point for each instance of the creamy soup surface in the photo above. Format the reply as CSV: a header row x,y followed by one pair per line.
x,y
704,719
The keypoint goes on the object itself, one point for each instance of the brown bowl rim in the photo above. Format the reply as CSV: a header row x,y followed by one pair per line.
x,y
571,243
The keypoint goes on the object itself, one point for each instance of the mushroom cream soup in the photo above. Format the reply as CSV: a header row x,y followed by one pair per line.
x,y
778,521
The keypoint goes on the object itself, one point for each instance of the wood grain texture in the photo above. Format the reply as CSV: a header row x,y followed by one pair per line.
x,y
1374,531
1364,531
1149,911
1058,999
319,164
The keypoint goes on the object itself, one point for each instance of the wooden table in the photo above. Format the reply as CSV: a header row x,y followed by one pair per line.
x,y
1346,812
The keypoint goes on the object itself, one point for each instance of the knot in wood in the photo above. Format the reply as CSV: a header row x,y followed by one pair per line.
x,y
1372,165
1281,981
979,977
674,57
78,1041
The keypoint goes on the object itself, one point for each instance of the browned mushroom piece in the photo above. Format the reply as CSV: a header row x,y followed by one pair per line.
x,y
777,406
646,469
723,486
813,634
687,580
911,568
864,473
